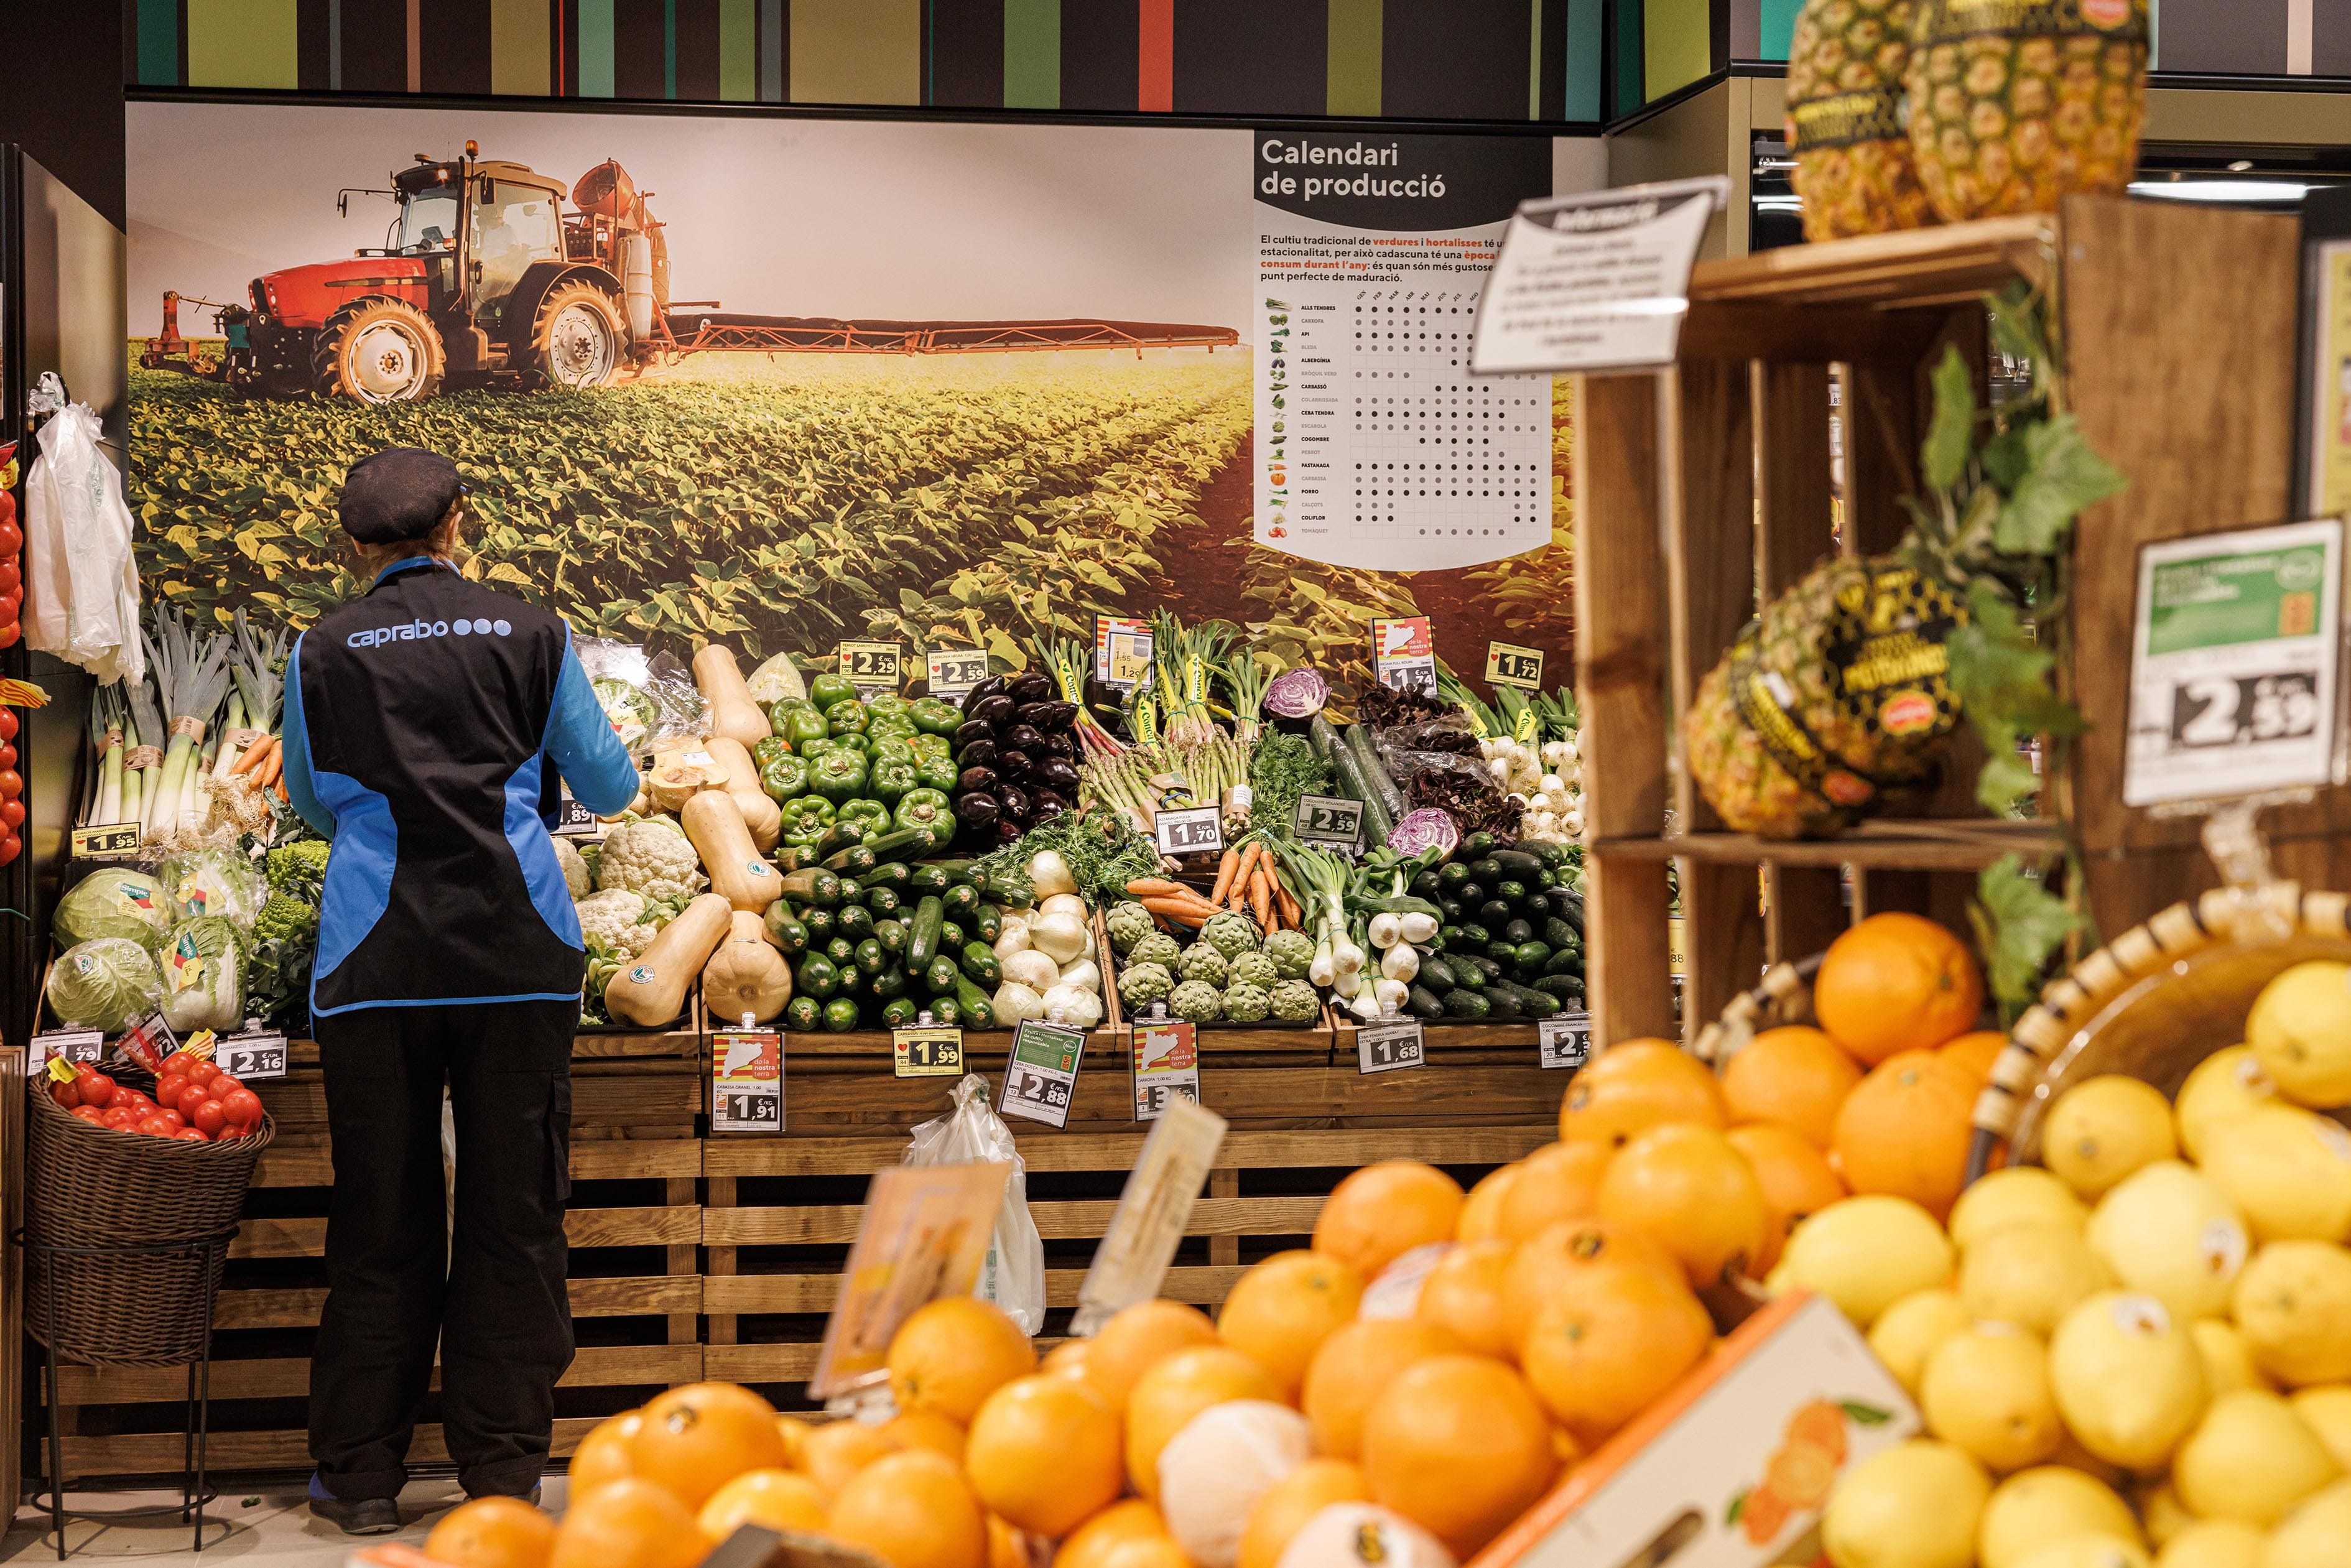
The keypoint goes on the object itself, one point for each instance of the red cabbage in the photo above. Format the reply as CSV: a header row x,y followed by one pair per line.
x,y
1426,829
1296,694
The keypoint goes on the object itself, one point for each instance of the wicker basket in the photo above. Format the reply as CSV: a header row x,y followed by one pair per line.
x,y
1784,996
96,1186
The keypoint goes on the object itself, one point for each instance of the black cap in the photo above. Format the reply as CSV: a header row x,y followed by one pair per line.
x,y
400,492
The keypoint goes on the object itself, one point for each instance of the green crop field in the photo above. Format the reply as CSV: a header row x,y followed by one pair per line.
x,y
772,507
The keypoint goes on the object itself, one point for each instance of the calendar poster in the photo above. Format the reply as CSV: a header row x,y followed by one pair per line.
x,y
1376,447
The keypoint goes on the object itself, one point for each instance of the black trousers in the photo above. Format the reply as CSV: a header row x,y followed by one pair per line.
x,y
395,1284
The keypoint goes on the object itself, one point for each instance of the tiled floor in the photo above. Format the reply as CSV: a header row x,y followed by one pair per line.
x,y
272,1527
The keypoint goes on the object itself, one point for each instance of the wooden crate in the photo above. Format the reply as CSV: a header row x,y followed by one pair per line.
x,y
634,1226
1709,487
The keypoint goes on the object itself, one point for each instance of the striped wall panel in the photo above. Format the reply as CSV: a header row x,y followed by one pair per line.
x,y
2248,38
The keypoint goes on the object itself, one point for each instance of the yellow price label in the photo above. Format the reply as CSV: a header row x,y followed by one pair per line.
x,y
1509,665
926,1052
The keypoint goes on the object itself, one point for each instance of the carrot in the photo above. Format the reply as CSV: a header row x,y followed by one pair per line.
x,y
1231,891
1293,915
1227,869
1180,914
1261,900
253,754
281,791
273,770
1158,887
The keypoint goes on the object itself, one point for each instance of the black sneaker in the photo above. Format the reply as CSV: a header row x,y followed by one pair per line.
x,y
355,1516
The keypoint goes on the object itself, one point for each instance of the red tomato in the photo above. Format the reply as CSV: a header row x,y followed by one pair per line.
x,y
156,1125
12,783
177,1120
94,1118
8,718
208,1117
12,537
190,1135
243,1107
194,1095
122,1116
12,599
97,1088
179,1061
67,1094
221,1085
7,755
11,846
12,812
168,1087
9,633
201,1071
10,574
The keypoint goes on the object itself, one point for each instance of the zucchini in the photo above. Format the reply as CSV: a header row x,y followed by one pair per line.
x,y
853,862
891,846
955,871
893,875
882,902
951,937
803,1014
923,944
892,935
1465,1003
976,1013
981,964
841,950
900,1011
869,955
820,924
943,1010
787,931
986,922
813,885
939,975
961,899
928,877
855,921
1420,1002
818,977
1367,757
891,985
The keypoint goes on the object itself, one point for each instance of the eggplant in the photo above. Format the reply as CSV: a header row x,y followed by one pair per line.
x,y
1015,802
971,730
1063,716
994,712
1037,715
982,692
1008,832
1061,745
1022,737
1044,802
1015,764
977,811
1056,773
977,780
980,753
1029,687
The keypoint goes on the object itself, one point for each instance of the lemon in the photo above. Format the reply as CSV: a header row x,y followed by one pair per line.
x,y
1987,1389
2252,1458
2226,1084
2292,1304
2167,1231
2047,1503
2127,1378
2326,1411
2300,1032
2228,1359
2015,1195
2031,1275
2287,1169
1907,1333
2098,1551
1914,1505
2103,1128
2316,1535
2214,1543
1867,1253
2167,1516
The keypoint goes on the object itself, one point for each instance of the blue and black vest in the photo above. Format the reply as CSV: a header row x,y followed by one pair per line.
x,y
425,706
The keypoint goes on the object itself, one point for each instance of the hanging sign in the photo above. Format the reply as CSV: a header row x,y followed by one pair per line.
x,y
922,1234
1404,654
1153,1208
1331,819
747,1081
953,672
255,1053
1563,1040
1389,1045
1041,1078
927,1051
1193,830
870,667
2236,647
112,842
1167,1059
1509,665
1122,652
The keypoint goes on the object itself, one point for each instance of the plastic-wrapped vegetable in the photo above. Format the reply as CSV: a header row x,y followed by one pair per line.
x,y
215,881
203,965
111,903
104,983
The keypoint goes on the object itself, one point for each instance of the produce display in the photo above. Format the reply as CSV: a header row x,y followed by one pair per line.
x,y
1855,169
193,1100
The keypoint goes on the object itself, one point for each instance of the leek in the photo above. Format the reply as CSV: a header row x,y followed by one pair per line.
x,y
192,668
138,784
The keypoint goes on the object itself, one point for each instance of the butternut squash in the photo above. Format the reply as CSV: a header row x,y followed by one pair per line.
x,y
652,991
681,772
745,974
713,824
761,815
733,714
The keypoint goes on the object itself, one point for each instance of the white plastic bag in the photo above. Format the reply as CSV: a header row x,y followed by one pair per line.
x,y
81,589
1013,1275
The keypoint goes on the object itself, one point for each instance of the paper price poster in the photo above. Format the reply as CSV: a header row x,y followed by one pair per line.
x,y
1166,1068
1122,651
1404,653
747,1081
1152,1209
924,1232
2328,395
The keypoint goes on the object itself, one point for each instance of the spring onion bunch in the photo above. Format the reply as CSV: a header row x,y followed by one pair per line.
x,y
1245,681
1067,661
108,717
1183,659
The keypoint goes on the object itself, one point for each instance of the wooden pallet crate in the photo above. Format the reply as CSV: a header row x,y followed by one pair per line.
x,y
1709,488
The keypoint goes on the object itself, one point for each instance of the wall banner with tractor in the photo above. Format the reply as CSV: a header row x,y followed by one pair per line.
x,y
783,381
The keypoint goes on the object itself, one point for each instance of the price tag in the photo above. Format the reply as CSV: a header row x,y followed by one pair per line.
x,y
260,1054
926,1052
1404,654
1122,652
2236,652
869,666
112,842
574,821
1565,1040
1041,1078
1195,830
1509,665
953,672
747,1081
1166,1068
1330,819
1153,1210
147,1043
1390,1044
79,1046
1676,948
922,1234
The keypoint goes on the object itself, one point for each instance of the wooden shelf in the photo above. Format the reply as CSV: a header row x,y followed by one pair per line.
x,y
1957,845
1918,268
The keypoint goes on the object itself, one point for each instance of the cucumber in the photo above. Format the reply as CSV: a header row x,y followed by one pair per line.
x,y
1535,1004
1473,934
1324,739
1564,961
981,964
1428,885
1435,976
1503,954
1421,1002
1486,970
1567,989
1354,780
1465,1003
1551,855
976,1013
1496,913
1516,931
923,944
1532,957
1504,1003
1453,873
1471,895
1559,933
1367,756
1510,890
812,886
1518,864
1479,845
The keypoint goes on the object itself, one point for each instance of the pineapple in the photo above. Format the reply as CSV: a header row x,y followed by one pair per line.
x,y
1845,119
2016,103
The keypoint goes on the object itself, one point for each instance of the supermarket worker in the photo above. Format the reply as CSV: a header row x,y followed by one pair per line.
x,y
426,725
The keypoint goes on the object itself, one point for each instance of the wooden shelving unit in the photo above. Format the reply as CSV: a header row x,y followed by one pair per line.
x,y
1709,487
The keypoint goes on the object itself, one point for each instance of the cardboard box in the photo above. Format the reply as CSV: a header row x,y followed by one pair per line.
x,y
1731,1468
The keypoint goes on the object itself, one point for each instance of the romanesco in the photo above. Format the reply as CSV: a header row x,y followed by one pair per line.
x,y
1295,1001
650,859
1196,1001
285,918
1202,962
299,869
1129,923
614,918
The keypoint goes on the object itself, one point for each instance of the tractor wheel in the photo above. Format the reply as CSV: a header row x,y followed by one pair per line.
x,y
378,349
576,339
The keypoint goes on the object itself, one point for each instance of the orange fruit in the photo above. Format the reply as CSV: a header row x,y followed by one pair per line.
x,y
1793,1174
1537,1270
913,1511
1637,1086
837,1450
1089,1544
1463,1294
1906,1130
1795,1076
696,1438
795,1433
1384,1211
1281,1311
1976,1051
1066,1359
1177,1389
1557,1181
1147,1552
492,1532
1482,1211
1007,1547
1045,1453
602,1456
927,1429
1896,982
778,1499
951,1353
630,1524
1613,1340
1285,1506
1139,1338
1686,1188
1354,1366
1460,1444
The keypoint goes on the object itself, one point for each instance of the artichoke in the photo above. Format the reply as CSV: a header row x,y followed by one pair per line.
x,y
1141,983
1129,923
1157,948
1202,962
1196,1001
1245,1003
1292,953
1295,1000
1254,969
1229,934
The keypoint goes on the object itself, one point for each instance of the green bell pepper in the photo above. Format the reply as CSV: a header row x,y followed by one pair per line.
x,y
817,747
936,773
870,816
837,776
806,819
846,718
888,778
935,715
860,743
798,726
766,751
925,809
784,775
888,749
884,726
828,689
884,703
927,746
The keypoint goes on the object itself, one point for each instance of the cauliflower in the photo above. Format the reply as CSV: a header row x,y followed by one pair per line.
x,y
1254,969
575,870
1129,923
1294,1001
1292,953
652,858
1202,962
1245,1003
1231,933
613,917
1141,983
1156,948
1196,1001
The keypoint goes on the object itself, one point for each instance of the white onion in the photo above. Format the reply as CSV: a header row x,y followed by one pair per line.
x,y
1049,874
1400,962
1073,1006
1084,975
1063,904
1033,969
1016,1003
1059,938
1011,940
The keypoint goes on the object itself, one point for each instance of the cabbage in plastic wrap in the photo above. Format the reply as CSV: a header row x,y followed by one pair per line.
x,y
104,983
